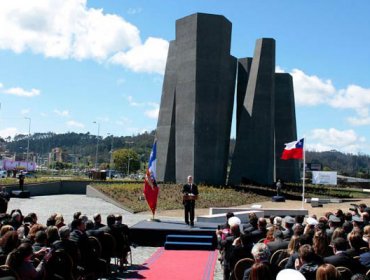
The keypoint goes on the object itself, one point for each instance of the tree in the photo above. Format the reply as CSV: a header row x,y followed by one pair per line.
x,y
126,158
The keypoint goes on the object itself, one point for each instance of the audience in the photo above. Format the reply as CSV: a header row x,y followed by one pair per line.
x,y
327,272
26,245
341,258
260,271
261,254
307,262
315,246
20,261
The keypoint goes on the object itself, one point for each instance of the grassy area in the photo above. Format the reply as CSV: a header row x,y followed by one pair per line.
x,y
341,191
39,179
170,196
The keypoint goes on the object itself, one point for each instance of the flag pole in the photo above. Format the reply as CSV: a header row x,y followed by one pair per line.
x,y
304,175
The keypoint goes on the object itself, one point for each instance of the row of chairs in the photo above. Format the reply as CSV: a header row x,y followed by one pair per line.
x,y
106,248
103,249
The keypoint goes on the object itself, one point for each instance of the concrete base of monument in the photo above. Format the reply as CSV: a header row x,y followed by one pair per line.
x,y
278,198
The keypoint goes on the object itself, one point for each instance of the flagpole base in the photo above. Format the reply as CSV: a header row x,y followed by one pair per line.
x,y
154,220
278,198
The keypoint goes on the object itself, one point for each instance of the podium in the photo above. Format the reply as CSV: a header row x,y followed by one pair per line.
x,y
188,197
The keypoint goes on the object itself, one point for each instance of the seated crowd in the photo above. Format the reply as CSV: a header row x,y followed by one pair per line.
x,y
335,246
80,250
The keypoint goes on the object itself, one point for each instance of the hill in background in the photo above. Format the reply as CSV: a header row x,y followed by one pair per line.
x,y
82,146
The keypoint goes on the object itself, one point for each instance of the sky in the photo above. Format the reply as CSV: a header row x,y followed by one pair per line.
x,y
97,66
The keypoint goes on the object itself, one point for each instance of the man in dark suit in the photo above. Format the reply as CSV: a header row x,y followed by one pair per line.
x,y
252,224
261,231
341,258
365,259
69,246
189,189
79,236
278,243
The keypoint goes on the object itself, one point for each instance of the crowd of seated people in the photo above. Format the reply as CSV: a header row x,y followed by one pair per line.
x,y
32,250
334,246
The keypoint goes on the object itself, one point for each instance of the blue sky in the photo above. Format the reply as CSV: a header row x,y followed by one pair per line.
x,y
68,63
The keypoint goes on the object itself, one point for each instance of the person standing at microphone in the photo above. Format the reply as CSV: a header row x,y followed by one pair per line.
x,y
189,189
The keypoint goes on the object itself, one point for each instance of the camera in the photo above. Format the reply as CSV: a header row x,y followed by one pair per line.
x,y
354,207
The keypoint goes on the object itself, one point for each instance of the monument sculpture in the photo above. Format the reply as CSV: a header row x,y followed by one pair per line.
x,y
195,117
285,127
197,101
254,157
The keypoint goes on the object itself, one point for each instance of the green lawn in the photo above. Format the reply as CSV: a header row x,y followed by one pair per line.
x,y
170,196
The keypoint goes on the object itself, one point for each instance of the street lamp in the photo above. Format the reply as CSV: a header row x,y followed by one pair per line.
x,y
29,135
97,147
111,156
128,155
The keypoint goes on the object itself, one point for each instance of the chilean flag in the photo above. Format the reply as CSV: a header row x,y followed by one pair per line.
x,y
293,150
150,185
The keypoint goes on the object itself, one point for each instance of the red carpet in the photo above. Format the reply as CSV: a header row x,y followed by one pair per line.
x,y
181,264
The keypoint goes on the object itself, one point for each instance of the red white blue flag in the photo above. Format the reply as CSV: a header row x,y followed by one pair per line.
x,y
293,150
150,184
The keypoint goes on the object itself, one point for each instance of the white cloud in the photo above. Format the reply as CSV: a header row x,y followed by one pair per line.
x,y
152,114
64,113
63,29
69,29
133,103
73,123
358,121
25,111
278,69
18,91
333,139
311,90
134,11
123,121
149,57
353,97
1,85
9,131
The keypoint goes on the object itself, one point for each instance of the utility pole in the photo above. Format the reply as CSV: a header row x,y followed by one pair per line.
x,y
97,147
28,141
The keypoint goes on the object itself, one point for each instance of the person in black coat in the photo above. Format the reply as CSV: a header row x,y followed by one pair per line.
x,y
278,243
69,246
242,248
261,230
189,205
341,258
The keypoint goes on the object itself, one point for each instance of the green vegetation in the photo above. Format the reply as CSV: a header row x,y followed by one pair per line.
x,y
79,151
330,191
346,164
170,196
130,195
125,159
